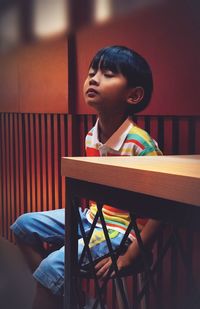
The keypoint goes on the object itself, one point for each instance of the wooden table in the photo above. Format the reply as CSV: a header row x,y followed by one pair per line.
x,y
165,187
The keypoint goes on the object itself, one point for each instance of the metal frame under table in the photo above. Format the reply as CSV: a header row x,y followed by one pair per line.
x,y
154,187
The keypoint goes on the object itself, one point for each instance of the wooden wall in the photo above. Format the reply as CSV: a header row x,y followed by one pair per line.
x,y
32,146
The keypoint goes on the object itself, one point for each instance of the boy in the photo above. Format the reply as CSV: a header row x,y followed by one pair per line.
x,y
118,84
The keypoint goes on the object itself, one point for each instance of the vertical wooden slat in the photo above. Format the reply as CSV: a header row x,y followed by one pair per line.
x,y
167,139
94,118
69,135
175,136
82,135
56,160
160,132
141,122
16,167
22,165
64,151
4,169
192,135
85,120
12,174
73,135
27,147
43,141
50,162
183,138
59,182
153,130
38,162
91,121
36,158
147,121
7,173
32,162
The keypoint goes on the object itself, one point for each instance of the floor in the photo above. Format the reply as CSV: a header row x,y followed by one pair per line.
x,y
17,286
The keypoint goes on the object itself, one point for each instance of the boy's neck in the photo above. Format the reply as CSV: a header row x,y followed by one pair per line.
x,y
108,125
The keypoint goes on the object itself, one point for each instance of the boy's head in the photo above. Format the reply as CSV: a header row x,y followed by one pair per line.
x,y
136,70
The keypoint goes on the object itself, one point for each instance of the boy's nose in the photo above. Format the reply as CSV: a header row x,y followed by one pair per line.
x,y
94,80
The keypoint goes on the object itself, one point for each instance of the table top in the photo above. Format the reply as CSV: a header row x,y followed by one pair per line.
x,y
175,178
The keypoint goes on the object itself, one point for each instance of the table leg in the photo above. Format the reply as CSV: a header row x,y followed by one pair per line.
x,y
71,247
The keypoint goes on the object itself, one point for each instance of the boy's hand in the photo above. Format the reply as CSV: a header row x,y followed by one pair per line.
x,y
132,255
103,266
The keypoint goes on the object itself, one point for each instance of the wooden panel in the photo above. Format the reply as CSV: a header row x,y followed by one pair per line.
x,y
30,153
32,145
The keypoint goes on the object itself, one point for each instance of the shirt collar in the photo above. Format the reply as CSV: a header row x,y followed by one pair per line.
x,y
116,141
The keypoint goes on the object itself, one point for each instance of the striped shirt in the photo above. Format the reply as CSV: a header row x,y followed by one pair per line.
x,y
127,140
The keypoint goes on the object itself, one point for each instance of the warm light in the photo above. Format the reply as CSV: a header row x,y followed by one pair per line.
x,y
49,18
102,10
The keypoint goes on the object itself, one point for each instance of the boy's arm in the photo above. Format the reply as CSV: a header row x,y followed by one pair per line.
x,y
148,235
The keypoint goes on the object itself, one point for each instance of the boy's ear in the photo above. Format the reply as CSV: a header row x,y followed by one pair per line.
x,y
135,95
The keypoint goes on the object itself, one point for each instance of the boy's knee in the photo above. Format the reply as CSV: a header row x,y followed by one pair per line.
x,y
24,221
24,227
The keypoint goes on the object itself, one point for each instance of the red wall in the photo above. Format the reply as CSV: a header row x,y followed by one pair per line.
x,y
35,77
168,35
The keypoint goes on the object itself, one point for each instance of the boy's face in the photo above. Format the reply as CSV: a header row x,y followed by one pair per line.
x,y
105,90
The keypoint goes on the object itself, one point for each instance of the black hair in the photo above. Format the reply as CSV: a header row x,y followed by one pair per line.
x,y
121,59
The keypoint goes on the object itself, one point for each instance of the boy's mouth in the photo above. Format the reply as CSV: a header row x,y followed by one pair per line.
x,y
91,92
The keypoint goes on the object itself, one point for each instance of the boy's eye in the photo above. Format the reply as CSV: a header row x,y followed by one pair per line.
x,y
109,74
91,74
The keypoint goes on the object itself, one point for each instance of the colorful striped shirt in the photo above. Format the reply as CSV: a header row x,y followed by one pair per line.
x,y
127,140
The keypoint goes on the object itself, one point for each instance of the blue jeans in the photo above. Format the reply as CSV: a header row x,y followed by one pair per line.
x,y
49,226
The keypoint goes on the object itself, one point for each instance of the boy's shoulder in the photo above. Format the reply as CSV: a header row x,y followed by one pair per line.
x,y
142,141
137,132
